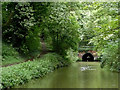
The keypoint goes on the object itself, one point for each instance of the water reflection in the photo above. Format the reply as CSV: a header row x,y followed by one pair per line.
x,y
78,75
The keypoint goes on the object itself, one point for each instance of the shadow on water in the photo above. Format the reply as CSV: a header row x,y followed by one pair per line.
x,y
77,75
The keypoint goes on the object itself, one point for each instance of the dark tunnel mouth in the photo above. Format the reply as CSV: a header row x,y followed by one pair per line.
x,y
87,57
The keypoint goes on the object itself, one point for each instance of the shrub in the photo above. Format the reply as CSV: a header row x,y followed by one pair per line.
x,y
33,40
8,50
21,73
72,55
110,56
10,55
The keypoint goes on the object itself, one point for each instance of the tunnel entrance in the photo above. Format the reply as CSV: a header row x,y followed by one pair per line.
x,y
87,57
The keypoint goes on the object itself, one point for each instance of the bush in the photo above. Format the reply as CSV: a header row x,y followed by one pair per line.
x,y
110,57
10,55
8,50
72,55
33,40
21,73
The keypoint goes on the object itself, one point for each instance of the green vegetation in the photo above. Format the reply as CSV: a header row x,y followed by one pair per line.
x,y
104,21
85,48
72,55
110,57
65,28
10,55
31,23
21,73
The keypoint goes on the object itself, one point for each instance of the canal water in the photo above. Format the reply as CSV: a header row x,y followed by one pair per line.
x,y
77,75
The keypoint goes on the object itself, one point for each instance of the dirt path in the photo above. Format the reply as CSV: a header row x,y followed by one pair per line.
x,y
44,51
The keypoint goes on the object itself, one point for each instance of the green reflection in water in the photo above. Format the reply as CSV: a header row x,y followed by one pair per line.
x,y
77,75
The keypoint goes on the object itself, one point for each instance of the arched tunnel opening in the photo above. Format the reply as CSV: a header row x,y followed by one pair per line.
x,y
87,57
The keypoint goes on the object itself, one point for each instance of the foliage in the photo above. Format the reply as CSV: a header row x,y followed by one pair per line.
x,y
33,37
21,73
86,28
62,25
66,29
110,56
7,50
105,25
17,27
106,33
72,55
57,21
10,55
102,22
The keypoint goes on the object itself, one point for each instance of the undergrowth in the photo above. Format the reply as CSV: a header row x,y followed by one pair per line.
x,y
21,73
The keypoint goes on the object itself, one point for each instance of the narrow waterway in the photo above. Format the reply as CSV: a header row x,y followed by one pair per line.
x,y
77,75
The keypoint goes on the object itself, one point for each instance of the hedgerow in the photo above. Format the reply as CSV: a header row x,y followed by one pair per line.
x,y
21,73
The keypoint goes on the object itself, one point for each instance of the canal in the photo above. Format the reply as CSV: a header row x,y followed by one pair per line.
x,y
77,75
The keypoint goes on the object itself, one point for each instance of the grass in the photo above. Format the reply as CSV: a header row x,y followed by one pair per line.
x,y
12,60
11,56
